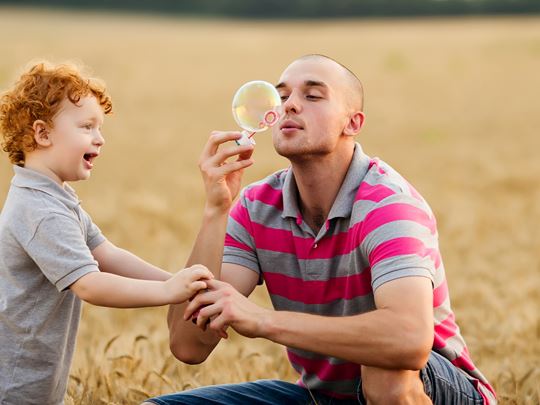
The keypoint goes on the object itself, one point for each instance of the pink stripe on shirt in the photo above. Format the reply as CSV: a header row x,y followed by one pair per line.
x,y
439,294
447,328
230,241
376,193
318,292
396,212
403,246
324,370
265,194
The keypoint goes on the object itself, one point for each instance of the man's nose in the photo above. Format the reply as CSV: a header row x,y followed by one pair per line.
x,y
292,104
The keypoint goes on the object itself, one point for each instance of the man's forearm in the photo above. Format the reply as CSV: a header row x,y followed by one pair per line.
x,y
381,338
187,342
208,247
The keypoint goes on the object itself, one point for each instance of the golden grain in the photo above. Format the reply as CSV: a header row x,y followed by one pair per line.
x,y
451,103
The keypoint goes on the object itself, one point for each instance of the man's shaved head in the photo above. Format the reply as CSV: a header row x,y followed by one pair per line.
x,y
356,91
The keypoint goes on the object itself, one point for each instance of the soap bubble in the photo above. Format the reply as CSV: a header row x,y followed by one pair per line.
x,y
254,108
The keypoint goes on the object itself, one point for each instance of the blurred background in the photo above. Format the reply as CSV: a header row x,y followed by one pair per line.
x,y
450,89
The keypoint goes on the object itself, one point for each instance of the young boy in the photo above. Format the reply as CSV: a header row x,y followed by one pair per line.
x,y
52,255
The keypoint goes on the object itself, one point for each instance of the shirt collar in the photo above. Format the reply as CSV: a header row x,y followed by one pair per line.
x,y
344,201
28,178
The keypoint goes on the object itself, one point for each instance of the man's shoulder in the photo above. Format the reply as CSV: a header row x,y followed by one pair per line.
x,y
383,185
271,184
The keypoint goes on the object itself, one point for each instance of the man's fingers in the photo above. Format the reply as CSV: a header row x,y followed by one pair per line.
x,y
231,167
226,153
201,299
219,324
206,313
247,154
221,156
216,139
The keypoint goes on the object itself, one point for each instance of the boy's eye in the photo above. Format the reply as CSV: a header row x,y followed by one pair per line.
x,y
87,126
284,97
312,97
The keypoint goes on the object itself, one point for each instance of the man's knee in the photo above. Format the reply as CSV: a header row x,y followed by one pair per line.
x,y
382,386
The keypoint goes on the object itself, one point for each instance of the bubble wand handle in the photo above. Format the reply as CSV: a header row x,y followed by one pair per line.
x,y
246,139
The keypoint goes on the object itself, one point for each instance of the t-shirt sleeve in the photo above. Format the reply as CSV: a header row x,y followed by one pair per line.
x,y
94,237
399,238
239,242
60,250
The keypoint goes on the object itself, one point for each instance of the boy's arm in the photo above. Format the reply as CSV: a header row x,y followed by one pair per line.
x,y
111,290
112,259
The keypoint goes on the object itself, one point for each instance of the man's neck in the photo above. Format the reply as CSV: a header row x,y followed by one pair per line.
x,y
319,181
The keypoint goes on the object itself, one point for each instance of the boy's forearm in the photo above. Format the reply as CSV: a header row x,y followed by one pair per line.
x,y
111,290
115,260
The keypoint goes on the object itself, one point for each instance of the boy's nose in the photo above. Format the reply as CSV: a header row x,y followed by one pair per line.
x,y
99,139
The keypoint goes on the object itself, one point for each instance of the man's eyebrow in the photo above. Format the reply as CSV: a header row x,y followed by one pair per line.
x,y
314,83
307,83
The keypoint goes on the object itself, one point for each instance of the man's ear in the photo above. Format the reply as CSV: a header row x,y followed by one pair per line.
x,y
356,121
41,133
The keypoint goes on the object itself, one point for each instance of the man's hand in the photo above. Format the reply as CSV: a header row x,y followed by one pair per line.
x,y
224,306
222,179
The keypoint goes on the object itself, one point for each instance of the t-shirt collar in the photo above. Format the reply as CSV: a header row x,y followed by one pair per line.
x,y
28,178
344,201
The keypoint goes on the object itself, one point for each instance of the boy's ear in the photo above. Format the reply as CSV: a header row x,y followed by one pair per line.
x,y
356,121
41,133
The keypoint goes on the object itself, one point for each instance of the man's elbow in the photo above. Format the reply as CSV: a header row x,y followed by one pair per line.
x,y
187,353
416,353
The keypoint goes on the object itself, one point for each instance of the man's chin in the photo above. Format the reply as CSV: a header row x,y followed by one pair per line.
x,y
299,152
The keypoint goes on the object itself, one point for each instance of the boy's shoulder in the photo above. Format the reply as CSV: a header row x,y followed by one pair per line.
x,y
28,203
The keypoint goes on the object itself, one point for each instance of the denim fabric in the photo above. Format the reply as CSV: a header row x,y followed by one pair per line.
x,y
443,383
262,392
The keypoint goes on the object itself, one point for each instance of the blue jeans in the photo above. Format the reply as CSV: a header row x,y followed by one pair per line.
x,y
442,383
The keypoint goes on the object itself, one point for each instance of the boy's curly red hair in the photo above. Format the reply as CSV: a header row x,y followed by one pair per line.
x,y
37,96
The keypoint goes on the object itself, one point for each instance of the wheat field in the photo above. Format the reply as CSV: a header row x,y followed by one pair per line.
x,y
450,103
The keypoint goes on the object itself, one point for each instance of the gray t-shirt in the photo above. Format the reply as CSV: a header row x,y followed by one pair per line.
x,y
46,240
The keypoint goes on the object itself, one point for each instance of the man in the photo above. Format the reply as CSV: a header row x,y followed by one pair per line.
x,y
349,253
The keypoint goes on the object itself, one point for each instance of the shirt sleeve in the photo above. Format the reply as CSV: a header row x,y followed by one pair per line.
x,y
94,237
60,250
399,238
239,241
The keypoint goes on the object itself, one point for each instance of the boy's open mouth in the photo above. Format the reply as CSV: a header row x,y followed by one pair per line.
x,y
89,157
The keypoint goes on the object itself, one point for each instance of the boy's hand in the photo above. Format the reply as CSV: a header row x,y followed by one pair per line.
x,y
222,179
186,283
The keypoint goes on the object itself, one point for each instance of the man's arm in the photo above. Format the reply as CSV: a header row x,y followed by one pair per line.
x,y
187,341
398,334
222,179
114,260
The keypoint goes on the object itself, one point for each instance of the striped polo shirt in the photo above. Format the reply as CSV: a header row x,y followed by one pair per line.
x,y
379,229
